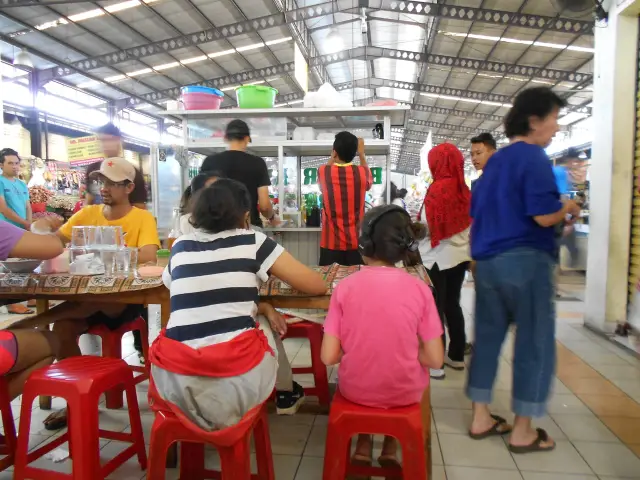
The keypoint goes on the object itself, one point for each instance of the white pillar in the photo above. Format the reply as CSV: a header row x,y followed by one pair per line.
x,y
611,171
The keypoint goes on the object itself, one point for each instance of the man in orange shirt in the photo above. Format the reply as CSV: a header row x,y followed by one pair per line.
x,y
343,186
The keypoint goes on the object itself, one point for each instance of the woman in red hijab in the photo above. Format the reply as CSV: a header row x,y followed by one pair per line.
x,y
445,250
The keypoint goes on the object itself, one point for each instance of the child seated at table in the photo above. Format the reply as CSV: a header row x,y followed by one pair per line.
x,y
200,181
383,326
217,360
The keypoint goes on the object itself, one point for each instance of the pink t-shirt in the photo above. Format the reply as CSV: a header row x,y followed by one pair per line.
x,y
378,314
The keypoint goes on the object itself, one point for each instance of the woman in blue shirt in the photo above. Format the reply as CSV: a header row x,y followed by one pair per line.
x,y
515,208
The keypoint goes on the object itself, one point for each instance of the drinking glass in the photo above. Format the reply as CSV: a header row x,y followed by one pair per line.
x,y
93,236
109,259
111,237
78,237
125,261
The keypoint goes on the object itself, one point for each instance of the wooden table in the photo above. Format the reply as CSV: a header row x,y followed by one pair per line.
x,y
152,292
80,289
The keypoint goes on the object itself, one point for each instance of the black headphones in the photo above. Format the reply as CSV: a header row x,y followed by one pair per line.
x,y
365,242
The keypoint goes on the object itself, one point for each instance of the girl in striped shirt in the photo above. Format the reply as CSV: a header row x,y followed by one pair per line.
x,y
218,357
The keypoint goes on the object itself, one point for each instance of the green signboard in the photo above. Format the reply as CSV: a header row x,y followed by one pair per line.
x,y
310,176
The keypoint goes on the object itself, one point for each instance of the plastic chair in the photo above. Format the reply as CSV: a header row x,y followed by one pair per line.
x,y
80,381
232,443
312,331
7,449
405,424
112,348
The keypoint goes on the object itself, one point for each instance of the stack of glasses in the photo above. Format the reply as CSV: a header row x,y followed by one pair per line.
x,y
101,250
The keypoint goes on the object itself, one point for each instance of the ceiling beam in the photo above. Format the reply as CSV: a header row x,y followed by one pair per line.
x,y
302,36
376,52
230,80
373,83
63,69
470,14
499,68
39,3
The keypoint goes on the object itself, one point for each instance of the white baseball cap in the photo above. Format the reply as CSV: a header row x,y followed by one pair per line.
x,y
116,169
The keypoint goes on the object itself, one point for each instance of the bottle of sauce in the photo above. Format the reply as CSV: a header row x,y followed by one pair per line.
x,y
175,230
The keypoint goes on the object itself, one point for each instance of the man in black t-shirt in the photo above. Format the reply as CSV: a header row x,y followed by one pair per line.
x,y
245,168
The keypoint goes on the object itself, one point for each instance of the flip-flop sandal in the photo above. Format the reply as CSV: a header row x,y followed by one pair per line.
x,y
26,311
53,423
391,462
493,431
535,445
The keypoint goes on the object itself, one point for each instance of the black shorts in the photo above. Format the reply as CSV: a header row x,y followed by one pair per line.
x,y
130,313
341,257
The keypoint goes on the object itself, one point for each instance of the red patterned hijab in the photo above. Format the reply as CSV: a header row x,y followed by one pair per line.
x,y
448,199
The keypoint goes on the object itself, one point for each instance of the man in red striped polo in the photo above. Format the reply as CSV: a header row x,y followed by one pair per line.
x,y
343,186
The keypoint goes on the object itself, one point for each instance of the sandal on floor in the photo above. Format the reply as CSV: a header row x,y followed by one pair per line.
x,y
535,446
391,462
493,431
19,309
56,420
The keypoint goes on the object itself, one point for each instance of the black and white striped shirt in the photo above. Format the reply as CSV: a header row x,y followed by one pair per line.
x,y
214,280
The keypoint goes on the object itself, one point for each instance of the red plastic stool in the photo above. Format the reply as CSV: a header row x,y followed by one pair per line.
x,y
81,381
233,445
8,448
312,331
112,348
347,419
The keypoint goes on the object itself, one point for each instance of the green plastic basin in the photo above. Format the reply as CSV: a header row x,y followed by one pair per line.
x,y
256,96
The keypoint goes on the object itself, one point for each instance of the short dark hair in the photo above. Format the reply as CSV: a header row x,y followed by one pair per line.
x,y
108,129
534,102
222,206
391,235
198,182
487,139
7,152
346,146
237,130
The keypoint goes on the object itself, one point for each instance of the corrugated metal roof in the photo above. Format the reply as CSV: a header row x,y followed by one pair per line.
x,y
474,50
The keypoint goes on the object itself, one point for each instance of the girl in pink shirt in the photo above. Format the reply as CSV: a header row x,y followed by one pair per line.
x,y
383,326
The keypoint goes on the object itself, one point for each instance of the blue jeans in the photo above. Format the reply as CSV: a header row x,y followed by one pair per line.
x,y
515,286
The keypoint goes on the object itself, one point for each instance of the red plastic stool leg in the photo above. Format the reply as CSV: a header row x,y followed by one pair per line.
x,y
8,425
22,448
235,461
160,442
85,438
136,424
264,455
112,348
319,369
192,460
337,454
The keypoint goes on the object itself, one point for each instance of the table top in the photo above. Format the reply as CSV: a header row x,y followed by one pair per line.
x,y
67,284
61,284
332,274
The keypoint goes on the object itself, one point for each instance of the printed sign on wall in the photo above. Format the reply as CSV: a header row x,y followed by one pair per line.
x,y
84,150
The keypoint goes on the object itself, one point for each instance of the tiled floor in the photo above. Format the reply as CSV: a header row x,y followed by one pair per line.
x,y
594,415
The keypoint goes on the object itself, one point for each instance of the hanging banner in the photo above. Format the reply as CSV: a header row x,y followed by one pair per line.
x,y
84,150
